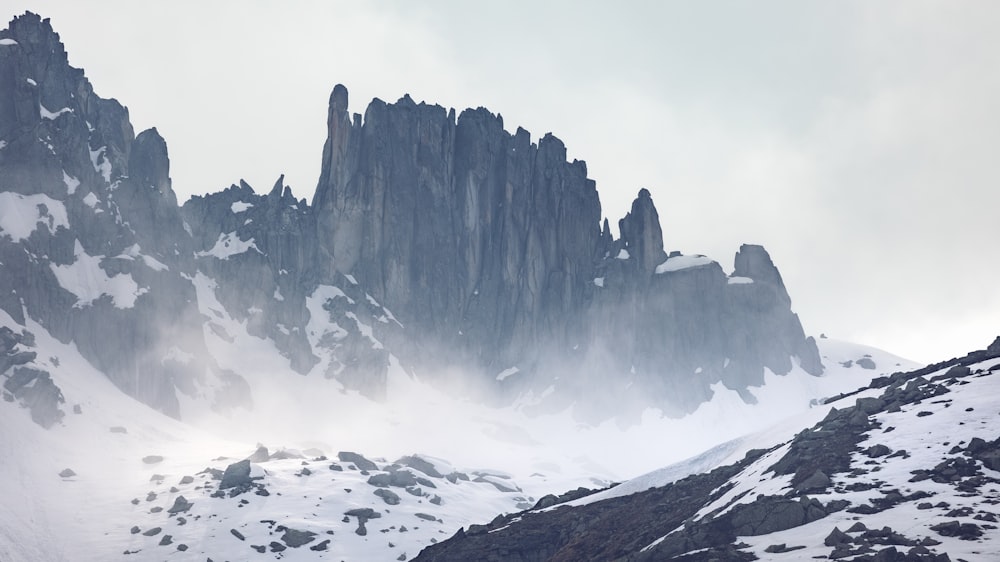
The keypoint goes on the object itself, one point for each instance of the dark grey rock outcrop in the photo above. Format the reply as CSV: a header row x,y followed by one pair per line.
x,y
237,475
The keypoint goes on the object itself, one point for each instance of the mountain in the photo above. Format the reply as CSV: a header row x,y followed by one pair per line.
x,y
446,332
434,243
906,468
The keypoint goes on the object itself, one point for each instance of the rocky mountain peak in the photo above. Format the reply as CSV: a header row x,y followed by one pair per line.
x,y
753,262
148,163
435,242
641,233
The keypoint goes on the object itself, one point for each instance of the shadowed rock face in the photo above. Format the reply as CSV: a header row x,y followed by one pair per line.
x,y
107,211
486,246
490,246
485,235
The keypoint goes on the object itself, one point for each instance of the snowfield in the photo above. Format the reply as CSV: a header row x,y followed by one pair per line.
x,y
131,464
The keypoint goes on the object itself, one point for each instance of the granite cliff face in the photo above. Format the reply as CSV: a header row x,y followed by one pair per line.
x,y
433,242
490,248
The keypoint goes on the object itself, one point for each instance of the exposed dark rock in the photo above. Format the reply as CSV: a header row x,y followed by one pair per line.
x,y
837,537
260,455
866,363
237,534
67,473
388,496
152,459
237,475
295,538
964,531
818,482
36,391
781,548
397,478
180,505
359,461
420,464
876,451
363,514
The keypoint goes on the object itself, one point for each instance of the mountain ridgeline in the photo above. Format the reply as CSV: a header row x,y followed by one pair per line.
x,y
434,242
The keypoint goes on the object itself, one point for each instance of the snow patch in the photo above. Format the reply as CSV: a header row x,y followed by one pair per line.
x,y
90,200
599,281
240,206
88,282
46,114
6,41
71,183
508,372
623,255
30,81
229,244
100,161
21,214
678,263
154,264
737,280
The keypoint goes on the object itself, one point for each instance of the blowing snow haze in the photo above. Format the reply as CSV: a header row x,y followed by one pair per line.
x,y
450,327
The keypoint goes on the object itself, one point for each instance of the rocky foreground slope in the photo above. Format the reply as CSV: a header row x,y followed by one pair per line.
x,y
905,469
437,242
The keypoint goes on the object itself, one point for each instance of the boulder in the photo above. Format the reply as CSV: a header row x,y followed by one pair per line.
x,y
236,475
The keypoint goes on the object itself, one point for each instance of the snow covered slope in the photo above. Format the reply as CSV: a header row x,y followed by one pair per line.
x,y
120,450
907,468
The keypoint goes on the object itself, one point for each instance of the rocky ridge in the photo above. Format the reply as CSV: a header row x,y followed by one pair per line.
x,y
434,242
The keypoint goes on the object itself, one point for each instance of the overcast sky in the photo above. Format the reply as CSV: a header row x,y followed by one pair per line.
x,y
857,141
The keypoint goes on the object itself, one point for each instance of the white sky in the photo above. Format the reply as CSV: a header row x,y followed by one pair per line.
x,y
856,141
